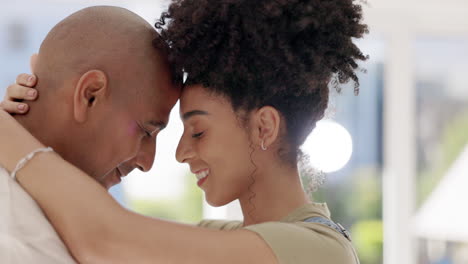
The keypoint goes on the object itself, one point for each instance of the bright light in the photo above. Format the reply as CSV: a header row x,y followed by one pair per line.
x,y
329,146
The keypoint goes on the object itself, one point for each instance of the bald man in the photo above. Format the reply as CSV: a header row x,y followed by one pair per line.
x,y
105,92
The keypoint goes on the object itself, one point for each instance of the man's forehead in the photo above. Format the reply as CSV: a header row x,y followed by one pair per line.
x,y
154,112
154,115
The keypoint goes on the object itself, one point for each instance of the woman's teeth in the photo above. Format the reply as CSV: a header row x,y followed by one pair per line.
x,y
202,174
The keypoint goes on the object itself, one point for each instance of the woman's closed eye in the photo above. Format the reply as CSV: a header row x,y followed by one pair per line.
x,y
197,135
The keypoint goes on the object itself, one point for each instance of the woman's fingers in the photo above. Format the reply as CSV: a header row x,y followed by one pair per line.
x,y
14,107
19,92
26,80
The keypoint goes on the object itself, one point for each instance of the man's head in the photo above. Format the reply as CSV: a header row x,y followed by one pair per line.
x,y
105,92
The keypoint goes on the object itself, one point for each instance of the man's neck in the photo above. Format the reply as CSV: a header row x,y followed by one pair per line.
x,y
40,128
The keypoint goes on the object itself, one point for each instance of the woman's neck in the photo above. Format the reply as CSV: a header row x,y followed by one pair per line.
x,y
275,194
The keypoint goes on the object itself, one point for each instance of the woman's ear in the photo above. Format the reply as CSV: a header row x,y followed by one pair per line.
x,y
268,121
90,90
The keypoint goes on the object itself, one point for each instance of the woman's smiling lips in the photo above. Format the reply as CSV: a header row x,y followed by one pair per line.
x,y
202,175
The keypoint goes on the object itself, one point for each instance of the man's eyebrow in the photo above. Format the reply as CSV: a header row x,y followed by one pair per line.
x,y
193,113
160,125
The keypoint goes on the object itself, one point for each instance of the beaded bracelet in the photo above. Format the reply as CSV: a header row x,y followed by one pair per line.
x,y
28,157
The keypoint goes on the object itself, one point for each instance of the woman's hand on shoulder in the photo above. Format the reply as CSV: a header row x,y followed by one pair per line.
x,y
18,93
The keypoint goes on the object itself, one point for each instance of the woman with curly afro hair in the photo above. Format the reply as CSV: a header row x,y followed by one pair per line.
x,y
256,77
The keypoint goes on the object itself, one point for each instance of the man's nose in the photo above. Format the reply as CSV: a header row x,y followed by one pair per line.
x,y
145,157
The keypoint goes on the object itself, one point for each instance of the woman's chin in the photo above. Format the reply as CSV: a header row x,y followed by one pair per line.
x,y
217,201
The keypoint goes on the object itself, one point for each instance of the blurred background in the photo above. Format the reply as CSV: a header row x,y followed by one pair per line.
x,y
395,156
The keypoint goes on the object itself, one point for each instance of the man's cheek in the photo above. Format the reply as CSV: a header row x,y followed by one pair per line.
x,y
132,129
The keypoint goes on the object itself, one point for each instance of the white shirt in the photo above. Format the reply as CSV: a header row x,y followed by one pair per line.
x,y
26,236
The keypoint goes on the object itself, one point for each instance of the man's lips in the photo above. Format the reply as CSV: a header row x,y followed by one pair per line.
x,y
113,179
119,173
124,171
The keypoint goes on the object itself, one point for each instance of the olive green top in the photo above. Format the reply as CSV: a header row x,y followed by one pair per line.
x,y
294,241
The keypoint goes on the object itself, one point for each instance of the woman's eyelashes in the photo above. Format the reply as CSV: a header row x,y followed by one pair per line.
x,y
197,135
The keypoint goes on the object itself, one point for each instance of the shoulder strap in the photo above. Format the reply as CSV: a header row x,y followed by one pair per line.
x,y
324,221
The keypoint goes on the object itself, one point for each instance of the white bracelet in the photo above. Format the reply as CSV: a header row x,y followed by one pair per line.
x,y
28,157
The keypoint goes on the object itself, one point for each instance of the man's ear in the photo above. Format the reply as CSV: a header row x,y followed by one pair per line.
x,y
33,62
90,90
268,121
